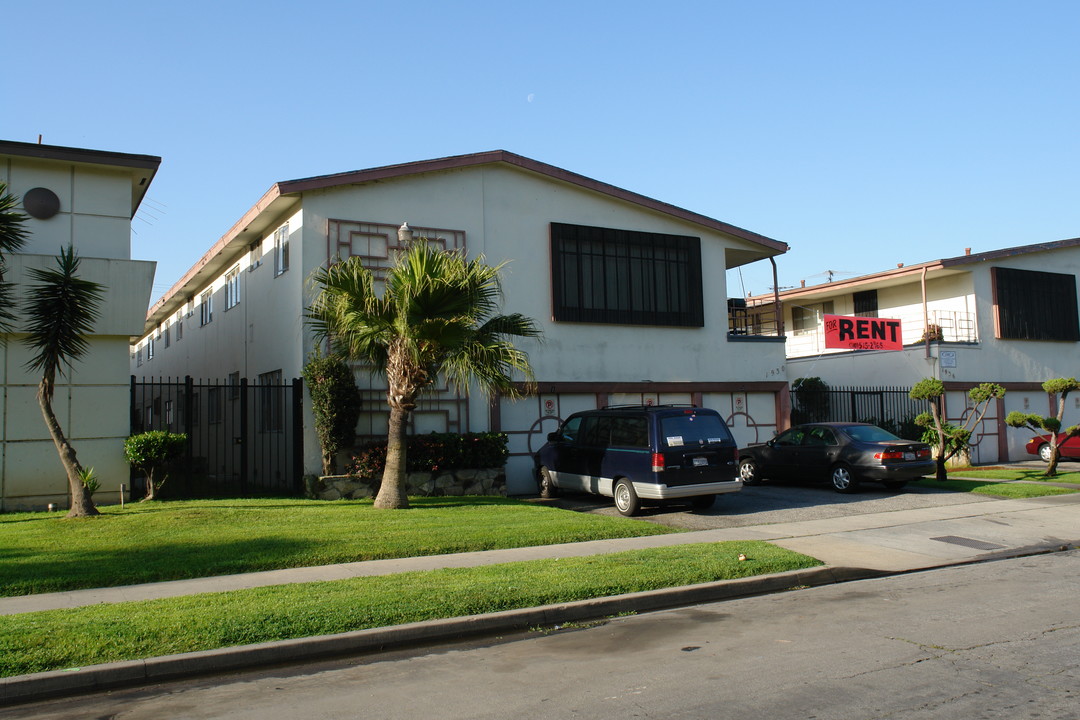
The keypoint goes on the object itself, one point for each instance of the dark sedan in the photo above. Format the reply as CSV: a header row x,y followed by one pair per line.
x,y
1068,447
845,454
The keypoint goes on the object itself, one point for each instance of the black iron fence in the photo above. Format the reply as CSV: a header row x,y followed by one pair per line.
x,y
888,407
244,438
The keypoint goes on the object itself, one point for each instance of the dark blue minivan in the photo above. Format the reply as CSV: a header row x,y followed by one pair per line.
x,y
641,452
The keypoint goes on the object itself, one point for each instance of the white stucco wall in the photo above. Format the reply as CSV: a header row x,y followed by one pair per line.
x,y
505,215
92,401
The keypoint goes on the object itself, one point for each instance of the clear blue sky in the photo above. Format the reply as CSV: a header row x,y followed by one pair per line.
x,y
863,133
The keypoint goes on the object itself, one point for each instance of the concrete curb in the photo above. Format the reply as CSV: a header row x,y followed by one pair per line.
x,y
49,685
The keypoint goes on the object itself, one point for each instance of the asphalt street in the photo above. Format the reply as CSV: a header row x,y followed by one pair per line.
x,y
993,640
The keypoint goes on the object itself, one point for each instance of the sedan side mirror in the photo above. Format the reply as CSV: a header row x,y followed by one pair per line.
x,y
554,437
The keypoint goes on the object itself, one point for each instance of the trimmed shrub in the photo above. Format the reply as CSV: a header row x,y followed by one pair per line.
x,y
335,403
150,452
433,452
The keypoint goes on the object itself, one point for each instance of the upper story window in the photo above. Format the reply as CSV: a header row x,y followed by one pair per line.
x,y
281,249
603,275
179,324
206,307
865,303
150,348
232,288
1034,305
167,335
808,318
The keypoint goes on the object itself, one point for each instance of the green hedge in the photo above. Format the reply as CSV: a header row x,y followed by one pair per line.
x,y
437,451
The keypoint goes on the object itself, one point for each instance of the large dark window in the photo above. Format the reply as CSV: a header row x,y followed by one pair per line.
x,y
603,275
865,303
1033,305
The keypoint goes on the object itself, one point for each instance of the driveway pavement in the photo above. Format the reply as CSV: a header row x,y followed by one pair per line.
x,y
777,503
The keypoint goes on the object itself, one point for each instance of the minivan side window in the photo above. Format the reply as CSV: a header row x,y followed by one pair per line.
x,y
630,432
596,431
571,429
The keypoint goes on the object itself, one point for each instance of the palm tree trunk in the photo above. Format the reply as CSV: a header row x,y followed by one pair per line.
x,y
81,503
392,490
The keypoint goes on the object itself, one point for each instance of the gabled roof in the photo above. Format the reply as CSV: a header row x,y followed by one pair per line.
x,y
282,196
142,168
901,274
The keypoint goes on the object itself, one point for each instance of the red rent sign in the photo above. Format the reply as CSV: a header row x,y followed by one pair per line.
x,y
862,333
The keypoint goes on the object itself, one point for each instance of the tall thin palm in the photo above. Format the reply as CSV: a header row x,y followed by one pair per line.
x,y
435,316
61,310
12,238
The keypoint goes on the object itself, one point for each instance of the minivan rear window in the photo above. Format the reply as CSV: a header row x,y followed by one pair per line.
x,y
679,430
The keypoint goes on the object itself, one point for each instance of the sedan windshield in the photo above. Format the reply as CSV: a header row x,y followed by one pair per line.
x,y
869,433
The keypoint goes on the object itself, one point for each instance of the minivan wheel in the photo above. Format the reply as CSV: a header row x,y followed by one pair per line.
x,y
748,472
626,499
842,479
547,486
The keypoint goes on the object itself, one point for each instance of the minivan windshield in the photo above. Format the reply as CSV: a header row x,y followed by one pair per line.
x,y
703,429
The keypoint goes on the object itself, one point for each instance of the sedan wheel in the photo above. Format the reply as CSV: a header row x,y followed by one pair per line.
x,y
626,499
1044,452
842,479
748,472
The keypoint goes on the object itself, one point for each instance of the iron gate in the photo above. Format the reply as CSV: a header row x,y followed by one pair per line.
x,y
243,438
887,407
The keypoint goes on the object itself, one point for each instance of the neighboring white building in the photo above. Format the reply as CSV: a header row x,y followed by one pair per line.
x,y
86,198
1006,316
630,293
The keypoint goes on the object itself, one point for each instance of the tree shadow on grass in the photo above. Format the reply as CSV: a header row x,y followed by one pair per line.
x,y
20,574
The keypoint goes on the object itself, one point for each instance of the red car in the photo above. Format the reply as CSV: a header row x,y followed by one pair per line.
x,y
1067,447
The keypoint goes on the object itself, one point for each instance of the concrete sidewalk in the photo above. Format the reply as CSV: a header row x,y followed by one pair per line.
x,y
852,547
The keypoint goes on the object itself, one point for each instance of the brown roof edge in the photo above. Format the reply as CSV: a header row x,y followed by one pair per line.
x,y
1009,252
495,156
852,282
960,260
70,154
238,227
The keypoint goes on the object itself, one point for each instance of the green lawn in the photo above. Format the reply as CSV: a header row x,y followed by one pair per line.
x,y
61,639
1007,490
1015,473
151,542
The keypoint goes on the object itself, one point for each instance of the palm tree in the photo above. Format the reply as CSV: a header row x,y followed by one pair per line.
x,y
436,316
61,310
12,238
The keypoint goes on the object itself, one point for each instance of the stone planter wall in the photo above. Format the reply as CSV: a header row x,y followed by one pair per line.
x,y
429,484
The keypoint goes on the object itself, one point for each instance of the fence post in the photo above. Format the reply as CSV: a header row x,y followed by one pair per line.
x,y
244,444
298,434
189,430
